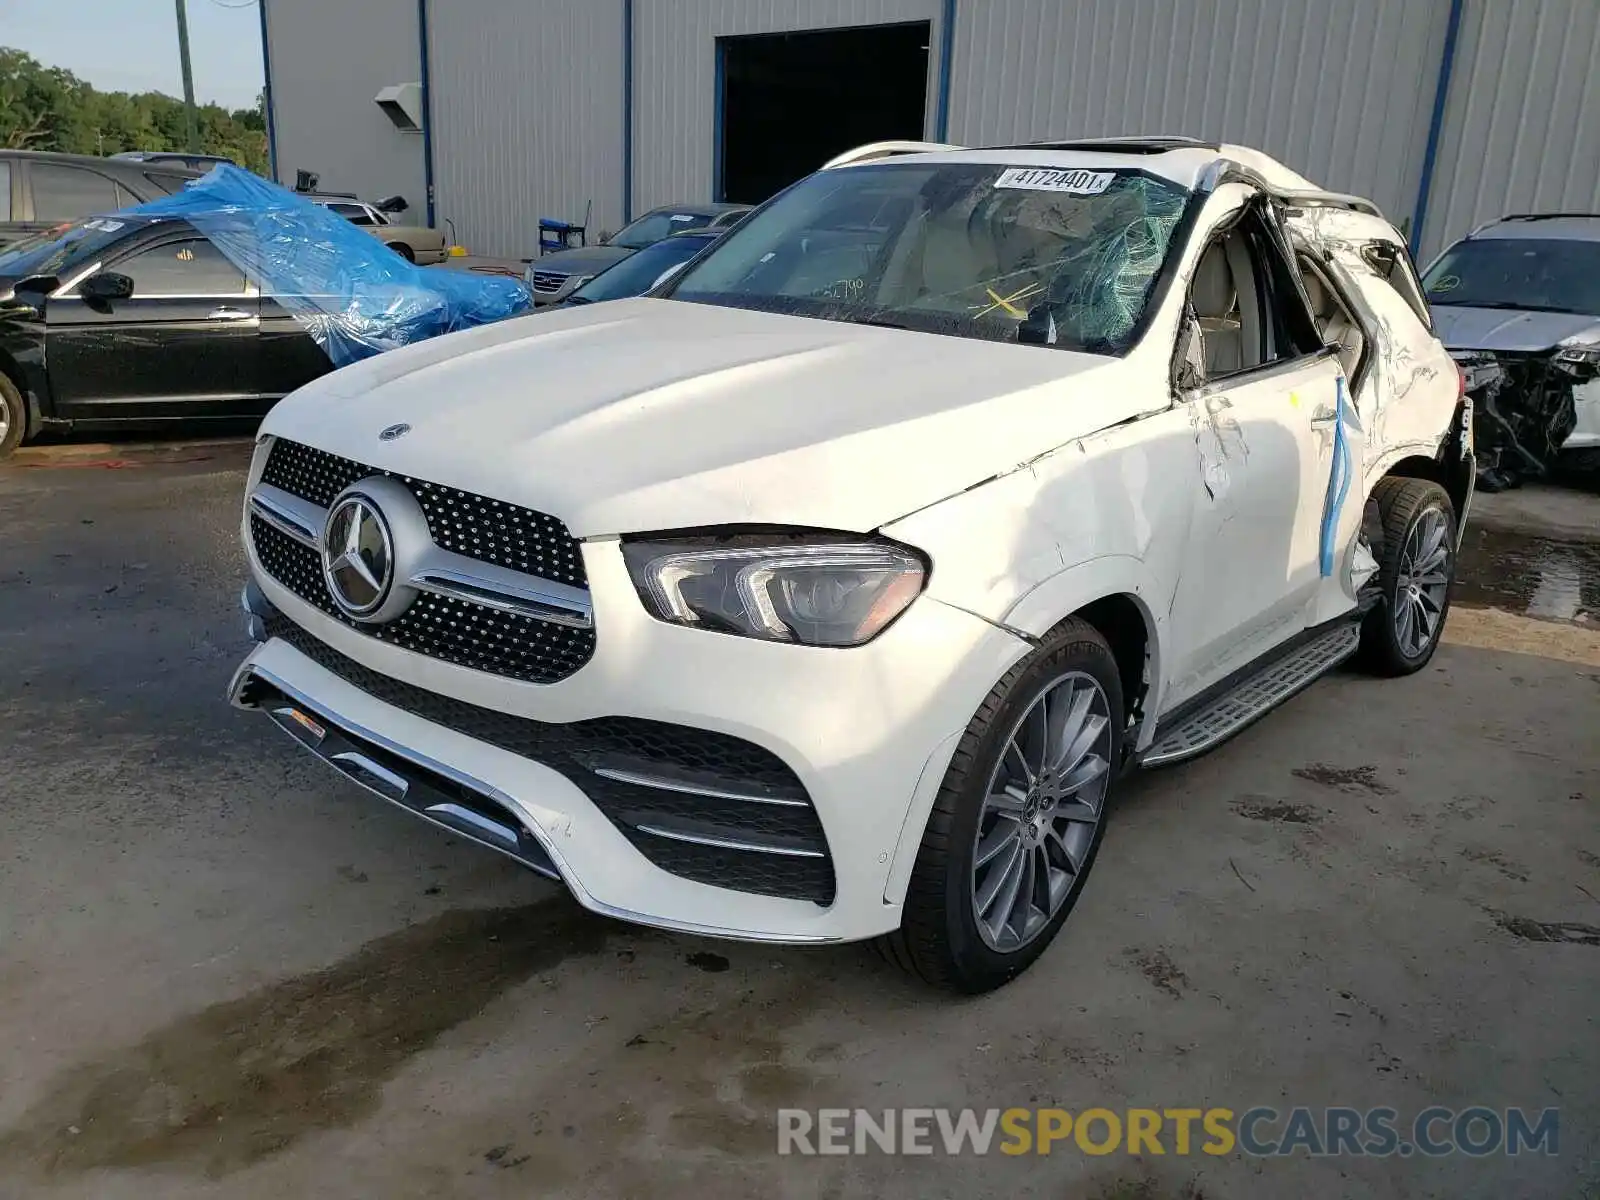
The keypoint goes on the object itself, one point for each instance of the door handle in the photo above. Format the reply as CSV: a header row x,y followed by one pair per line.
x,y
229,314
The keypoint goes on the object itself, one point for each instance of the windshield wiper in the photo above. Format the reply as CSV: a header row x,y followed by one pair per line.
x,y
1501,305
579,300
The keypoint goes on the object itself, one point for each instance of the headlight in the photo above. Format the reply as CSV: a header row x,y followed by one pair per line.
x,y
1585,356
814,592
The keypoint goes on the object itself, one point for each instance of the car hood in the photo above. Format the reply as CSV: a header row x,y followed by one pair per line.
x,y
1463,328
587,260
653,414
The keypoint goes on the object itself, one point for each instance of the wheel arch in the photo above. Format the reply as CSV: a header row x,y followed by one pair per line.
x,y
1118,595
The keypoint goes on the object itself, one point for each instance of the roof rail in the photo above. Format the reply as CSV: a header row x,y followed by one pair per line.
x,y
1549,216
1143,144
874,150
1226,170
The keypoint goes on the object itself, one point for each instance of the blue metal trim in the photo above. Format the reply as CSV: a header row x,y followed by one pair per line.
x,y
266,93
1441,92
627,111
1338,482
716,121
427,108
947,53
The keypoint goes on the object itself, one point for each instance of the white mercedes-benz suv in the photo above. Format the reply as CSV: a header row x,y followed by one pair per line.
x,y
827,592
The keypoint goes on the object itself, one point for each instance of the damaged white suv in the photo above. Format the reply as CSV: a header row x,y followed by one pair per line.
x,y
827,593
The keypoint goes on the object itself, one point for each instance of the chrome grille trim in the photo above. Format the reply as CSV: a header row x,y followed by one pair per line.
x,y
645,779
722,843
290,515
542,599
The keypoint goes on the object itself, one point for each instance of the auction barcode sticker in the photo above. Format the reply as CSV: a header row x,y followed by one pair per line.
x,y
1074,181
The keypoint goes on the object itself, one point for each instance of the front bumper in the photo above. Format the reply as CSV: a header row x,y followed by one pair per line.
x,y
868,732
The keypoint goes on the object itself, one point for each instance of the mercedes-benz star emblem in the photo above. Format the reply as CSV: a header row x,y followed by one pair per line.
x,y
357,555
392,432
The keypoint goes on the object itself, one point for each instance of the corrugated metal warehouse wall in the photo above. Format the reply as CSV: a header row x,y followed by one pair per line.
x,y
527,117
527,98
674,65
1339,91
328,63
1522,122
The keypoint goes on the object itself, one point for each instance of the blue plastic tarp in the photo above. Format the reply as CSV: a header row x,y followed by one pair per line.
x,y
354,295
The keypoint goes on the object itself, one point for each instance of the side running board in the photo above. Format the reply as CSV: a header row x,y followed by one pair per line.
x,y
1253,696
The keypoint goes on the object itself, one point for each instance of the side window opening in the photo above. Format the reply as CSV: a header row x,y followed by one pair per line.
x,y
189,267
1335,324
1250,313
1392,263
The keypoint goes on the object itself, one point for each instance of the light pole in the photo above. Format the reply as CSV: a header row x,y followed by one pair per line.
x,y
190,135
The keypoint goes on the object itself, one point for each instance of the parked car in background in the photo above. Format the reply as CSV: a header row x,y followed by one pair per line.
x,y
175,158
829,591
137,320
414,243
554,276
1517,301
213,302
642,270
39,190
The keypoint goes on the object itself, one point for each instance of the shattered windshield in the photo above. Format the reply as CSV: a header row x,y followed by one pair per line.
x,y
61,249
966,249
1536,275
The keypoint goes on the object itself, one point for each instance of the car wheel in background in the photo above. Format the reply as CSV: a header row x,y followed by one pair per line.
x,y
13,417
404,251
1018,820
1401,632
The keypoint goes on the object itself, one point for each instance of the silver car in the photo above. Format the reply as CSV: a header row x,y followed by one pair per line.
x,y
1517,302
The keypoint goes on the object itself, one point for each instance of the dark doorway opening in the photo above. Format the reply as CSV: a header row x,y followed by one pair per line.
x,y
791,101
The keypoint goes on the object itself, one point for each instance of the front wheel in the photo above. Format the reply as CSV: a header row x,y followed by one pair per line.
x,y
13,417
1401,632
1018,821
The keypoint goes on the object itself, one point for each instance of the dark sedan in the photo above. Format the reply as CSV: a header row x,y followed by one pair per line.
x,y
134,318
642,271
556,276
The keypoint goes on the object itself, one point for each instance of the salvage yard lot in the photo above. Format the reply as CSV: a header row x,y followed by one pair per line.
x,y
228,973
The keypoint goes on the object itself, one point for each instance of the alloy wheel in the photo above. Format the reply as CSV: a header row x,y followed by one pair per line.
x,y
1042,805
1421,583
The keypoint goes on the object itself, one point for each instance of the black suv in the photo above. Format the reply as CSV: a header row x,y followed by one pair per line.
x,y
39,190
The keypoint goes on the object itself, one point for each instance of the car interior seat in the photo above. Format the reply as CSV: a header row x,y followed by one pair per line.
x,y
1333,323
958,255
1216,303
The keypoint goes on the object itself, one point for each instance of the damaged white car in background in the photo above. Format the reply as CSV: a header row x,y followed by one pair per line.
x,y
827,593
1517,301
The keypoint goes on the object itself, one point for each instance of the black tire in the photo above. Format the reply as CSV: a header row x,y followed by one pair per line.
x,y
404,251
1402,505
13,417
938,939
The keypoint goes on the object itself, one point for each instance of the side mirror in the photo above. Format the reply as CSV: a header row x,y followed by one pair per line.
x,y
107,285
1038,328
1189,356
392,205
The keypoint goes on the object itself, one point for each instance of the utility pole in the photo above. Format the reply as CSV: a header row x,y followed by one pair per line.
x,y
190,135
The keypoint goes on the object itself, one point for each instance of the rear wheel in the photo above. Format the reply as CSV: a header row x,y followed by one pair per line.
x,y
13,417
1415,570
404,251
1018,820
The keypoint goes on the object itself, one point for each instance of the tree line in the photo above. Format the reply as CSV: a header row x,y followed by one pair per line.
x,y
48,108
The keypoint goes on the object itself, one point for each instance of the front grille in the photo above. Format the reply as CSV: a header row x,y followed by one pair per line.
x,y
492,531
457,631
546,282
694,757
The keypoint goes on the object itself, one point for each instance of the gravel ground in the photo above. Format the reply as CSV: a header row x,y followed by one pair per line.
x,y
228,973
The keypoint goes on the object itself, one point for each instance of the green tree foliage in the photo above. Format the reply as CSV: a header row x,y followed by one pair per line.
x,y
47,108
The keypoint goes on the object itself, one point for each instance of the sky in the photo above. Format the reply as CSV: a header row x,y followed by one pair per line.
x,y
132,45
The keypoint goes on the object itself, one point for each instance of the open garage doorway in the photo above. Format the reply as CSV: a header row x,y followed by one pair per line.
x,y
788,102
